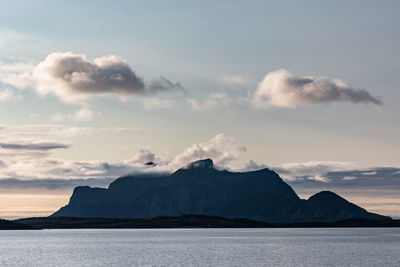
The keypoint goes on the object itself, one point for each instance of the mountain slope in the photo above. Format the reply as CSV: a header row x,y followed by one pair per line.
x,y
199,188
327,206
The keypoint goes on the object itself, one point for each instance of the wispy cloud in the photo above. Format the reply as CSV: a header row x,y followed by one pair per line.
x,y
7,94
82,114
59,130
234,81
217,101
19,46
33,145
156,103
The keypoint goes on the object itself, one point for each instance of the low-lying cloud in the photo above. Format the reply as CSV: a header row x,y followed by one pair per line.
x,y
221,149
281,89
63,131
31,160
33,145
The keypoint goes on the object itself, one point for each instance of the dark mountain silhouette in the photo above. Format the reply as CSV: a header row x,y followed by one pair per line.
x,y
199,188
189,221
11,225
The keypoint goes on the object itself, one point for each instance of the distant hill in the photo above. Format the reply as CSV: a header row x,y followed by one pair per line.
x,y
189,221
11,225
199,188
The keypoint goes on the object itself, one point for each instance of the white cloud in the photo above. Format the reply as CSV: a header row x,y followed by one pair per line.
x,y
6,95
318,178
216,101
349,178
82,114
155,103
144,156
74,79
313,170
34,116
281,89
233,81
221,149
23,160
16,74
369,173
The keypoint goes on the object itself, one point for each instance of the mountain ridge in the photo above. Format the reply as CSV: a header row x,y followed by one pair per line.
x,y
199,188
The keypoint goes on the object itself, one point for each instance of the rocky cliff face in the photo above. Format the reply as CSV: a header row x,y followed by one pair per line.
x,y
199,188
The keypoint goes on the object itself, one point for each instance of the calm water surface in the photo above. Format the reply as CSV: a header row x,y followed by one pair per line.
x,y
202,247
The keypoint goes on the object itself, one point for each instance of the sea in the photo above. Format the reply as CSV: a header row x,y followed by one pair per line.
x,y
202,247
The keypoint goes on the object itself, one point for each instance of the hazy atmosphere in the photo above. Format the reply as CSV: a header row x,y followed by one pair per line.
x,y
309,89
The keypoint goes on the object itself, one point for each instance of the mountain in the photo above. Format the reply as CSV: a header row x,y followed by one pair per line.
x,y
199,188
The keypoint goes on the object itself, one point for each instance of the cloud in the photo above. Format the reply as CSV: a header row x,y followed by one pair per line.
x,y
312,170
155,103
369,173
36,169
221,149
233,81
216,101
7,95
82,114
16,74
304,171
57,130
74,79
281,89
349,178
144,156
33,145
31,160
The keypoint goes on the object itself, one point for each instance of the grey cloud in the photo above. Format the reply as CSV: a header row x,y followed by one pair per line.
x,y
280,88
73,78
33,145
163,84
57,130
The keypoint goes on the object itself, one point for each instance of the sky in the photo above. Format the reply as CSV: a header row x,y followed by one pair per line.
x,y
92,90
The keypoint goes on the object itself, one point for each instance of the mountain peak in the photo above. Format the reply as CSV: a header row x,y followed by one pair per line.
x,y
200,164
